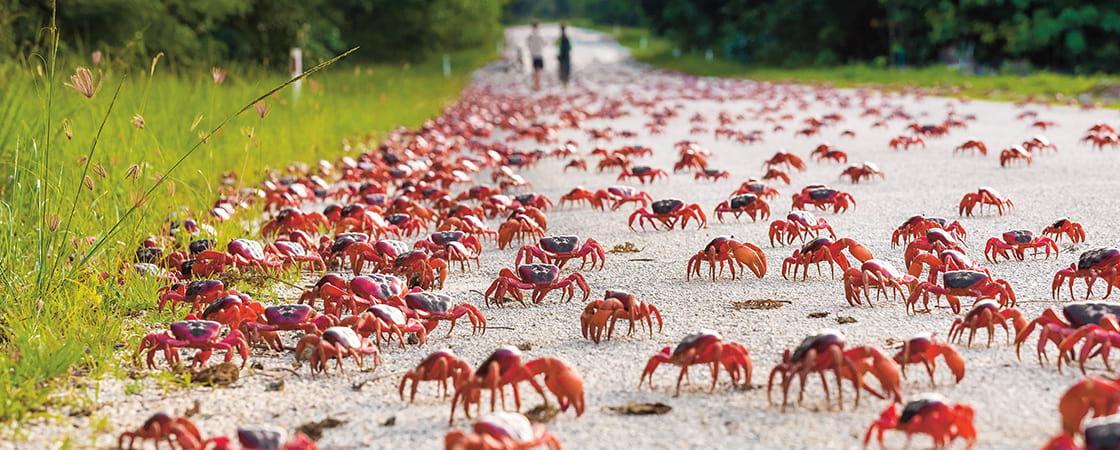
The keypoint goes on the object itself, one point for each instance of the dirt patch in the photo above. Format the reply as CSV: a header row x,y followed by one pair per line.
x,y
640,409
626,247
842,320
818,315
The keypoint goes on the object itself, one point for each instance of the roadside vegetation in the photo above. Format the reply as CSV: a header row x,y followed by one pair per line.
x,y
88,154
1043,85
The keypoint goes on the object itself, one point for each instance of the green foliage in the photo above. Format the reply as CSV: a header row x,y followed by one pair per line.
x,y
204,32
1064,35
612,12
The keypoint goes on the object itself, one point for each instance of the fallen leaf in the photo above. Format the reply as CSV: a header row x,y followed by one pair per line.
x,y
817,315
223,374
641,409
627,247
542,413
759,304
845,320
314,430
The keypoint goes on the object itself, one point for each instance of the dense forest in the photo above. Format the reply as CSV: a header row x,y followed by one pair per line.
x,y
197,32
1062,35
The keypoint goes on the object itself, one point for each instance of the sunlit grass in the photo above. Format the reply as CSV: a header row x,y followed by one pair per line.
x,y
65,177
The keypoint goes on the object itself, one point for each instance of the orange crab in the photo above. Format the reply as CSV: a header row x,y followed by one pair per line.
x,y
703,347
1066,227
504,367
821,250
439,366
974,145
798,225
728,252
669,212
827,351
986,314
906,141
925,348
1012,154
617,305
822,197
501,431
878,274
749,204
929,414
162,427
984,196
644,174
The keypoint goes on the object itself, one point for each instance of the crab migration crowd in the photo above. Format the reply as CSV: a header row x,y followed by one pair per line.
x,y
383,238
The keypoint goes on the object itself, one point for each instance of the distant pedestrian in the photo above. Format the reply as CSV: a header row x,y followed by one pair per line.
x,y
536,51
565,56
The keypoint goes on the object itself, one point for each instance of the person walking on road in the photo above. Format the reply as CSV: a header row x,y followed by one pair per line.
x,y
565,56
536,51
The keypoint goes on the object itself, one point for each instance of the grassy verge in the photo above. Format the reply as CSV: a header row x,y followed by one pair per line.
x,y
73,166
1043,85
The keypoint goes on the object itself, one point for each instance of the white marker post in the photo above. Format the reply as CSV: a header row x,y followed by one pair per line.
x,y
642,44
295,63
446,65
708,55
676,53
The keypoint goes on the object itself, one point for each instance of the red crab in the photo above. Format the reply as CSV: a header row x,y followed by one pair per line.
x,y
1105,333
286,317
1012,154
520,226
540,278
240,253
1098,433
798,225
579,194
711,174
382,322
1092,393
198,293
337,343
504,367
776,174
822,197
503,430
177,431
986,314
728,252
405,225
1091,265
1066,227
451,246
929,414
782,158
825,351
534,200
753,186
644,174
1018,241
703,347
291,219
617,305
822,250
420,270
433,307
669,212
874,273
955,283
866,170
825,151
290,252
439,366
1055,327
621,195
935,240
749,204
925,348
906,141
204,335
984,196
916,227
470,224
230,310
974,145
559,249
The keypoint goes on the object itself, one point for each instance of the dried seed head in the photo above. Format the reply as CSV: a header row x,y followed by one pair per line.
x,y
66,129
88,182
83,159
262,108
154,61
132,171
218,74
170,188
138,121
136,197
202,135
95,57
83,82
53,221
196,122
100,170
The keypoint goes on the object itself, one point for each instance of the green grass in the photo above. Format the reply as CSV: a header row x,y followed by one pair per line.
x,y
60,321
939,79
